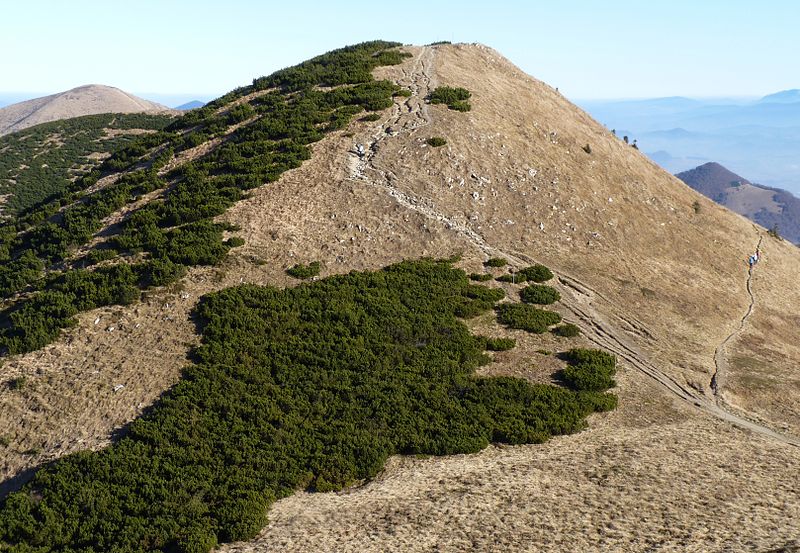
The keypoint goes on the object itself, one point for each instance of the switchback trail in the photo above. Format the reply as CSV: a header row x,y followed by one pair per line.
x,y
409,115
720,361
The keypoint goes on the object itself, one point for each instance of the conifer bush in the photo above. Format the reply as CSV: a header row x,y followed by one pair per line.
x,y
303,271
313,388
567,330
522,316
455,98
496,262
500,344
589,370
540,294
309,100
535,273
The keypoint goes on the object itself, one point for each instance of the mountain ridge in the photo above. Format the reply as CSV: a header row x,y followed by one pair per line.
x,y
642,272
771,207
82,100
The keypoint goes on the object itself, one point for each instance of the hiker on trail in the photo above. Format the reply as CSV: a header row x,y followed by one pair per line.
x,y
751,261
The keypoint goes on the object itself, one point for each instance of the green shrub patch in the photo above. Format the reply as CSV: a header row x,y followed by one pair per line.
x,y
480,277
540,294
500,344
312,387
567,330
589,370
496,262
455,98
534,273
526,317
304,271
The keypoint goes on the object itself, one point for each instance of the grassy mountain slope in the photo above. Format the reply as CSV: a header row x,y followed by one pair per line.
x,y
638,269
43,160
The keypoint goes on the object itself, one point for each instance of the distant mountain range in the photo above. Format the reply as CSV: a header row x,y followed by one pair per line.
x,y
765,205
84,100
756,137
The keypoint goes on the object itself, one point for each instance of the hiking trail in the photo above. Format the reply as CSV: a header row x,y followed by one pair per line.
x,y
409,115
720,361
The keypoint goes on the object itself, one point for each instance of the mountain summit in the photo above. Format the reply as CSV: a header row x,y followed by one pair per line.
x,y
360,160
84,100
767,206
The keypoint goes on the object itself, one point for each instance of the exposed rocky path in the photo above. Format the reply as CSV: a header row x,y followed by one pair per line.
x,y
578,297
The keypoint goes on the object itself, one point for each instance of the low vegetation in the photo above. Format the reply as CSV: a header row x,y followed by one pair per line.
x,y
522,316
534,273
567,330
539,294
481,277
310,387
455,98
496,262
42,161
302,271
176,228
499,344
436,141
589,370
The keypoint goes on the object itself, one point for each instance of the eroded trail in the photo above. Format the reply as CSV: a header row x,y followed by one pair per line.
x,y
579,298
720,358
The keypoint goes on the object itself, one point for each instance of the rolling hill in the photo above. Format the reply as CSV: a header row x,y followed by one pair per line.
x,y
83,100
345,165
769,207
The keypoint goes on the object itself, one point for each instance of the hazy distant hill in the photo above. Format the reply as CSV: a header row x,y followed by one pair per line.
x,y
83,100
784,97
765,205
194,104
755,137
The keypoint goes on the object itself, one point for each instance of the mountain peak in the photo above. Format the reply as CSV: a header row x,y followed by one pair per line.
x,y
87,99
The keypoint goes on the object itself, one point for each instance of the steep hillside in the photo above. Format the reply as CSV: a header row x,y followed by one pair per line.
x,y
769,207
700,454
712,180
83,100
44,160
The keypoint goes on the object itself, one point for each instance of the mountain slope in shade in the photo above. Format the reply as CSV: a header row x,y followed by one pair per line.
x,y
83,100
765,205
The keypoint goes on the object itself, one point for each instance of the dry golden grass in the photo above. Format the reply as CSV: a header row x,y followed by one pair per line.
x,y
666,286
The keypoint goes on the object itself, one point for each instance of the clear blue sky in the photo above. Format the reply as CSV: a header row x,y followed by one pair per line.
x,y
589,49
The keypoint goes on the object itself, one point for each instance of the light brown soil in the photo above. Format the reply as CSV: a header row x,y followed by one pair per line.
x,y
640,272
83,100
